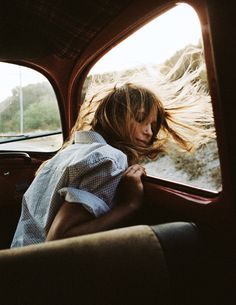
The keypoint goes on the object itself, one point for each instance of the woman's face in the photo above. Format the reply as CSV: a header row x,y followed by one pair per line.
x,y
142,129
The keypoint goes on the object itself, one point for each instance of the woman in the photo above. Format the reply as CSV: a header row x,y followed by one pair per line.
x,y
75,192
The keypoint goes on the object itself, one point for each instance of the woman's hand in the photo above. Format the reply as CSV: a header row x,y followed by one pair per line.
x,y
130,190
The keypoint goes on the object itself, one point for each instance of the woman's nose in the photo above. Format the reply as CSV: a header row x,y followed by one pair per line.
x,y
148,129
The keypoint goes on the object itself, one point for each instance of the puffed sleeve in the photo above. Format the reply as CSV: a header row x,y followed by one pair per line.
x,y
93,181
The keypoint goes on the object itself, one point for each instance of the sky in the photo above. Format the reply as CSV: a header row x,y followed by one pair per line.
x,y
14,75
154,43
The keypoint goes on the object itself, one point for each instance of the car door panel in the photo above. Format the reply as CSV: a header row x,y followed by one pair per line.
x,y
17,170
168,201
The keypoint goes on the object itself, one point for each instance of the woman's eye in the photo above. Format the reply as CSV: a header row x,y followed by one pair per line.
x,y
139,120
140,117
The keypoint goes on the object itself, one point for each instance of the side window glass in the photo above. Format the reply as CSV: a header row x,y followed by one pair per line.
x,y
168,47
29,114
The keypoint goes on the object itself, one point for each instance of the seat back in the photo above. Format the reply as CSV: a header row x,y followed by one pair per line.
x,y
122,266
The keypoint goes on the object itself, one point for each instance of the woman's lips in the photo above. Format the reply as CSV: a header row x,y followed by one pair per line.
x,y
142,143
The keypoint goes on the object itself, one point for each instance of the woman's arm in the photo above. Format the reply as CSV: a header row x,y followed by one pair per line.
x,y
73,219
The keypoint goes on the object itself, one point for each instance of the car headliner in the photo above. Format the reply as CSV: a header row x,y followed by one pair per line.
x,y
33,29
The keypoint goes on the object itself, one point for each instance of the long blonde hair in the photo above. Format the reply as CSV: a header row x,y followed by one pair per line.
x,y
110,115
115,111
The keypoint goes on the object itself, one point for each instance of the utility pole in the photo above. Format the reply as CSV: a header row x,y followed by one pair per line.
x,y
21,103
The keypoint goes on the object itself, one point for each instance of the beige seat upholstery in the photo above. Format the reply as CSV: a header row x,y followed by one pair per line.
x,y
122,266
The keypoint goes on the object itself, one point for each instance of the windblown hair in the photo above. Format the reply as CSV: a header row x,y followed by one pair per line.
x,y
114,113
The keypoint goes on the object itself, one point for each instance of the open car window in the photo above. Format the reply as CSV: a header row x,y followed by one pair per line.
x,y
170,42
29,114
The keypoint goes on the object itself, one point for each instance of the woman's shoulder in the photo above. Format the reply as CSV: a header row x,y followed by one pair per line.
x,y
108,152
99,148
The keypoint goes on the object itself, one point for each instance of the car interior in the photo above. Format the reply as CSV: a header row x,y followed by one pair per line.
x,y
180,249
